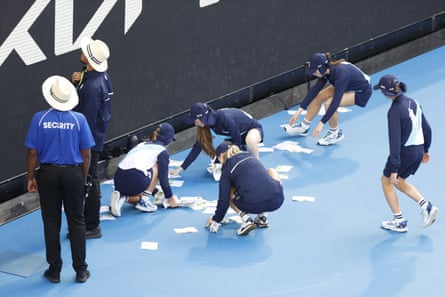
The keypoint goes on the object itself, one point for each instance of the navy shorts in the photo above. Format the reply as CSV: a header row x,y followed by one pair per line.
x,y
131,182
262,206
411,158
362,96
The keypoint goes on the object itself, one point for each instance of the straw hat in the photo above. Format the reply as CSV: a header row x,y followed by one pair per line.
x,y
96,52
60,93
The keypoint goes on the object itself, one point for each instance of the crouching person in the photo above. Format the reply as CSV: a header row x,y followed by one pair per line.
x,y
247,187
139,172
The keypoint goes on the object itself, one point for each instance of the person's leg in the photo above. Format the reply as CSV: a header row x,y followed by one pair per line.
x,y
318,101
398,224
92,203
390,195
348,99
51,210
429,211
73,200
253,138
154,179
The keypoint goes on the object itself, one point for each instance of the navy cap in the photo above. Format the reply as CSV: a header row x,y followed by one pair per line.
x,y
198,110
388,84
222,148
166,133
318,60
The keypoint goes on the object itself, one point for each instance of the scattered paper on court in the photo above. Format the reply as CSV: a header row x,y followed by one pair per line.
x,y
176,183
284,168
185,230
303,198
148,245
196,202
174,163
264,149
107,217
292,146
105,214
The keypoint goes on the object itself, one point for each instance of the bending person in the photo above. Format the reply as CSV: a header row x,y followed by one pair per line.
x,y
138,173
238,125
247,187
348,86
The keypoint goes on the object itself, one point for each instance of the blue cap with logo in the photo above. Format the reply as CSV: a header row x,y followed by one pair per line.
x,y
318,61
388,84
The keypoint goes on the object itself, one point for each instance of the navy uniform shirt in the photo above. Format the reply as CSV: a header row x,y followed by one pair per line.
x,y
249,178
231,122
95,92
407,126
344,77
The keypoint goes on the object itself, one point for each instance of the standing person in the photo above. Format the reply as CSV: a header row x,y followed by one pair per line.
x,y
240,126
94,90
409,142
247,187
348,86
139,172
60,140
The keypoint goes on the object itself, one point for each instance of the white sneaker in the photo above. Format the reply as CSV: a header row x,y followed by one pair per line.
x,y
144,204
396,225
429,215
331,138
247,226
296,130
116,203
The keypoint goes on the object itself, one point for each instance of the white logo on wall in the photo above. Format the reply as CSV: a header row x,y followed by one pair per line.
x,y
29,51
204,3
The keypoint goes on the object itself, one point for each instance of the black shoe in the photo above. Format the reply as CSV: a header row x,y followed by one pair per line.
x,y
82,276
53,277
93,233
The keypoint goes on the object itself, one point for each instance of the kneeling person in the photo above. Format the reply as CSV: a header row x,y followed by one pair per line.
x,y
247,187
138,173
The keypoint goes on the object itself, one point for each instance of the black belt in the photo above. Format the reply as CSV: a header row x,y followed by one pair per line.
x,y
61,165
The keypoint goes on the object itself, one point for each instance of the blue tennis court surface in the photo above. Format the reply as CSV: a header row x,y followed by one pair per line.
x,y
331,246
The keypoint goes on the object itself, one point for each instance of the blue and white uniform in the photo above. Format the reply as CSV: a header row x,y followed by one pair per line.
x,y
409,137
134,173
256,191
232,122
345,77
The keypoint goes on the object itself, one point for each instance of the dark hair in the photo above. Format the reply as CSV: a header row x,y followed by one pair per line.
x,y
402,87
334,62
155,134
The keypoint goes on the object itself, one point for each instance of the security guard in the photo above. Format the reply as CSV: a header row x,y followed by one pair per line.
x,y
60,139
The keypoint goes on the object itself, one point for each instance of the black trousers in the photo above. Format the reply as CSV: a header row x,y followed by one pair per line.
x,y
65,185
92,203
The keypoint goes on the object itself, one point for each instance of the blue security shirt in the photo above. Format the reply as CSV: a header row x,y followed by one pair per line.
x,y
95,103
345,77
407,126
249,178
232,122
58,136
